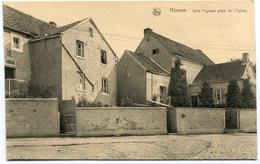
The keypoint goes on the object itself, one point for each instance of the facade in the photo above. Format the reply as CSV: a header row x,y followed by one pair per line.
x,y
75,58
218,77
164,52
140,78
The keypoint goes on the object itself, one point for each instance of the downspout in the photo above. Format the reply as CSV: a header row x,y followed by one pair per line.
x,y
74,61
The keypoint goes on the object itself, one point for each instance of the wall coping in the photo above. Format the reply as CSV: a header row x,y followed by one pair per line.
x,y
198,108
30,99
121,108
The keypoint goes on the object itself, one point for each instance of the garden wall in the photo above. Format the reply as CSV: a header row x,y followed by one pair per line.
x,y
247,120
32,117
199,120
115,121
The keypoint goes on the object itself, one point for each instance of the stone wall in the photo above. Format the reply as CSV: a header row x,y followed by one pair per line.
x,y
32,118
200,120
110,121
247,120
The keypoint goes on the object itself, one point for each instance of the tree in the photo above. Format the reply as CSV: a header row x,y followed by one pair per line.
x,y
206,96
233,95
247,94
178,88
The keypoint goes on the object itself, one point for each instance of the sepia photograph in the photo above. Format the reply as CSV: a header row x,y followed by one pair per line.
x,y
121,80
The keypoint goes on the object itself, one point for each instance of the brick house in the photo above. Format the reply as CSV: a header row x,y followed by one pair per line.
x,y
218,77
155,51
75,59
140,78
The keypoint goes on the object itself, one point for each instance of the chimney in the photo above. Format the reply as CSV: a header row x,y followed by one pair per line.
x,y
147,32
245,58
52,23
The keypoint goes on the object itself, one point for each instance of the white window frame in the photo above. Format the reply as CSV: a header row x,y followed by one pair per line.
x,y
78,42
219,92
20,44
101,55
82,83
104,85
163,86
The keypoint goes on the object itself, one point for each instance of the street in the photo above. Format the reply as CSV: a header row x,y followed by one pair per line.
x,y
210,146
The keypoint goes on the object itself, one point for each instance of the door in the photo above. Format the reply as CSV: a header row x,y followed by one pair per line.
x,y
231,118
9,73
195,101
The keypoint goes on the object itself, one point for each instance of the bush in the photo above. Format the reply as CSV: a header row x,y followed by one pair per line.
x,y
126,101
83,102
234,97
40,91
16,94
206,96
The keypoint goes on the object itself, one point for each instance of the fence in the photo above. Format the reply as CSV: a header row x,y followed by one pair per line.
x,y
14,84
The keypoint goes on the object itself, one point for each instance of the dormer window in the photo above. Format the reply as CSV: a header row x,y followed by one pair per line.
x,y
156,51
90,32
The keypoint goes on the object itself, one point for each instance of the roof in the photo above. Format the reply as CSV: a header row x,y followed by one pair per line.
x,y
220,73
68,26
21,22
148,64
176,48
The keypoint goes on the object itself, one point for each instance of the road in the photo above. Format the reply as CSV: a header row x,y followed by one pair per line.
x,y
217,146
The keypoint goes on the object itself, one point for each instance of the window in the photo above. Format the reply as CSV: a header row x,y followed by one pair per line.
x,y
90,32
16,42
81,85
219,94
79,48
103,57
156,51
105,85
10,62
128,73
162,93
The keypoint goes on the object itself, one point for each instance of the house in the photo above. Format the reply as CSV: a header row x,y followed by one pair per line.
x,y
218,77
18,29
150,66
140,78
75,59
164,52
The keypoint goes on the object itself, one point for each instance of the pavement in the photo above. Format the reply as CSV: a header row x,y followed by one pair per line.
x,y
159,147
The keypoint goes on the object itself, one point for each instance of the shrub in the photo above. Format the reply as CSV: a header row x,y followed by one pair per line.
x,y
83,102
233,95
206,96
40,91
247,95
126,101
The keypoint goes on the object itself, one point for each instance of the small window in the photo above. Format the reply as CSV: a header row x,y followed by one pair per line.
x,y
10,62
219,94
162,94
103,57
79,48
105,85
90,32
82,85
128,73
156,51
16,43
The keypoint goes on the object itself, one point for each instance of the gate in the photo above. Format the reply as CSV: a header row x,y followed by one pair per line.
x,y
68,118
231,119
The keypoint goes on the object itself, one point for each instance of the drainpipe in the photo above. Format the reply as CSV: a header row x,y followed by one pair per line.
x,y
92,85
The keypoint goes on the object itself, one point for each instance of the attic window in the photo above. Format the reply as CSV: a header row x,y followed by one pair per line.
x,y
103,57
79,48
90,32
156,51
16,42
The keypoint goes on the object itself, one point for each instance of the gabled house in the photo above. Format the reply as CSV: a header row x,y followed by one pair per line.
x,y
164,51
76,59
218,77
140,78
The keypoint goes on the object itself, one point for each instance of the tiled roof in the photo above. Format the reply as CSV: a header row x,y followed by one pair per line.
x,y
19,21
148,64
182,50
220,72
68,26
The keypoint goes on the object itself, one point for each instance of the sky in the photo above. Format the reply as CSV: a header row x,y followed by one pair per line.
x,y
221,36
